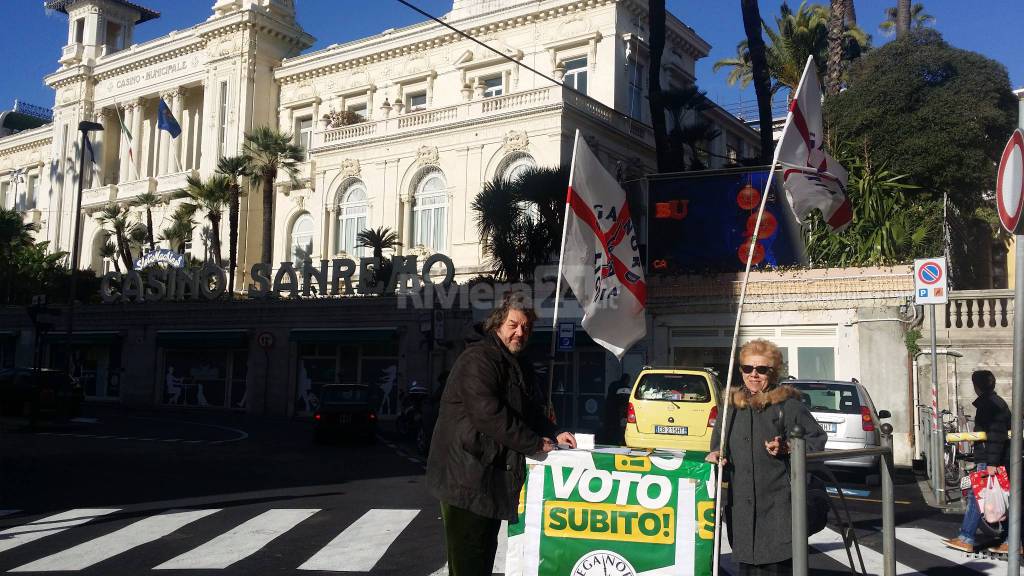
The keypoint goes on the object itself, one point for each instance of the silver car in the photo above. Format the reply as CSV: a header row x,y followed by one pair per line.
x,y
846,413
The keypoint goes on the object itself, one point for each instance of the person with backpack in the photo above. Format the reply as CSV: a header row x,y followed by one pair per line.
x,y
992,416
756,461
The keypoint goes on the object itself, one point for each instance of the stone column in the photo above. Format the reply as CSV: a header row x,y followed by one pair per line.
x,y
178,108
124,171
407,239
332,231
163,155
137,111
99,141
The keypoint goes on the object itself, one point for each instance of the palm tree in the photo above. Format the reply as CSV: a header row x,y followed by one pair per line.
x,y
235,168
211,197
379,240
109,251
520,221
180,231
690,129
796,36
918,19
836,16
271,151
149,201
119,221
15,235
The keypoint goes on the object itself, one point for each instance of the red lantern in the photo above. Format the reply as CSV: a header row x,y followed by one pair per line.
x,y
768,225
748,197
745,249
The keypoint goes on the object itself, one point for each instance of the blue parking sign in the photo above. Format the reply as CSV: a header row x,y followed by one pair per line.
x,y
566,336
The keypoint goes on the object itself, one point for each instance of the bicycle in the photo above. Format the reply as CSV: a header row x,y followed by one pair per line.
x,y
956,453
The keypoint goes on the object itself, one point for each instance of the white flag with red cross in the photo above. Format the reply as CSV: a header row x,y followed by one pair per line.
x,y
811,177
601,257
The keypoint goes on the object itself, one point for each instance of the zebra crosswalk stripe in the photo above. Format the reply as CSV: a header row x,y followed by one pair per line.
x,y
99,549
239,542
14,537
360,546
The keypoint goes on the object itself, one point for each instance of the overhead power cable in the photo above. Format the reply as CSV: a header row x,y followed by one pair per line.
x,y
411,6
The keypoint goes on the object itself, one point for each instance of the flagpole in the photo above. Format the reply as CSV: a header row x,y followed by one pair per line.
x,y
124,136
558,279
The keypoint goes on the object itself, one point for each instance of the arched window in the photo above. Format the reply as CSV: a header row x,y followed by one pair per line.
x,y
301,240
352,212
512,168
430,212
518,167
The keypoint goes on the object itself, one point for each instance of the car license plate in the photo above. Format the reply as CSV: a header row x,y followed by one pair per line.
x,y
830,427
680,430
345,418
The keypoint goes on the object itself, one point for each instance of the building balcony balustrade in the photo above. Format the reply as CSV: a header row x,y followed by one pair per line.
x,y
168,183
130,190
71,54
96,197
551,97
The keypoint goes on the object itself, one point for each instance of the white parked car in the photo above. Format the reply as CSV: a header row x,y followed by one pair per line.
x,y
846,413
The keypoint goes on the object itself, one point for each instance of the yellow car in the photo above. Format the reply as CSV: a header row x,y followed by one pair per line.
x,y
672,408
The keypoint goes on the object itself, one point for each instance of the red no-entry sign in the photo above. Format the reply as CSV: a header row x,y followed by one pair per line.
x,y
1010,183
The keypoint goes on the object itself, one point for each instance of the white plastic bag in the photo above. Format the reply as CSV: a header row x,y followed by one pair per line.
x,y
993,501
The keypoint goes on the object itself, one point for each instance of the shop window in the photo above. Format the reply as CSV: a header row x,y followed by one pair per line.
x,y
205,377
416,101
494,86
304,132
576,74
301,240
815,363
430,212
372,364
352,213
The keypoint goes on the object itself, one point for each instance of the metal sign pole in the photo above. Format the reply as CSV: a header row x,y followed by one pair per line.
x,y
1017,409
938,478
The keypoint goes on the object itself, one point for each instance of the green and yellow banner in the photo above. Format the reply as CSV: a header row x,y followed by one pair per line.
x,y
614,512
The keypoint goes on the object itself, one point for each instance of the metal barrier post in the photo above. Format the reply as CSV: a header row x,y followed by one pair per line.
x,y
888,505
798,487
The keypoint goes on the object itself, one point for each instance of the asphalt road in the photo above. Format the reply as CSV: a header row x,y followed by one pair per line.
x,y
120,493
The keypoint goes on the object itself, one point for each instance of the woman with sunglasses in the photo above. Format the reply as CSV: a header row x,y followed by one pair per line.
x,y
756,461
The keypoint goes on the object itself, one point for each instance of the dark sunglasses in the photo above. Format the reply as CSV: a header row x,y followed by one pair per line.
x,y
762,370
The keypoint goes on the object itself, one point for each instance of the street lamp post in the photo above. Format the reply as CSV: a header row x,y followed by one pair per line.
x,y
84,127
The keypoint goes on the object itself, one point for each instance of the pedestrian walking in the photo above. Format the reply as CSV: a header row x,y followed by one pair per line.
x,y
491,417
991,416
756,461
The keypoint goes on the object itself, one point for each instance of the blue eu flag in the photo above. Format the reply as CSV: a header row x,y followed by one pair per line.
x,y
166,121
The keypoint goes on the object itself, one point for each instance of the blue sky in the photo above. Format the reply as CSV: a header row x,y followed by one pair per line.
x,y
32,46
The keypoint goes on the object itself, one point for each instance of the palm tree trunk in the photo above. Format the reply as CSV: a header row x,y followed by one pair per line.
x,y
149,228
835,46
662,146
232,236
902,17
268,219
126,254
851,14
215,237
759,69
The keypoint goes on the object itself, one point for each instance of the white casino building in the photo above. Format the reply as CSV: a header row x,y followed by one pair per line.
x,y
440,115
